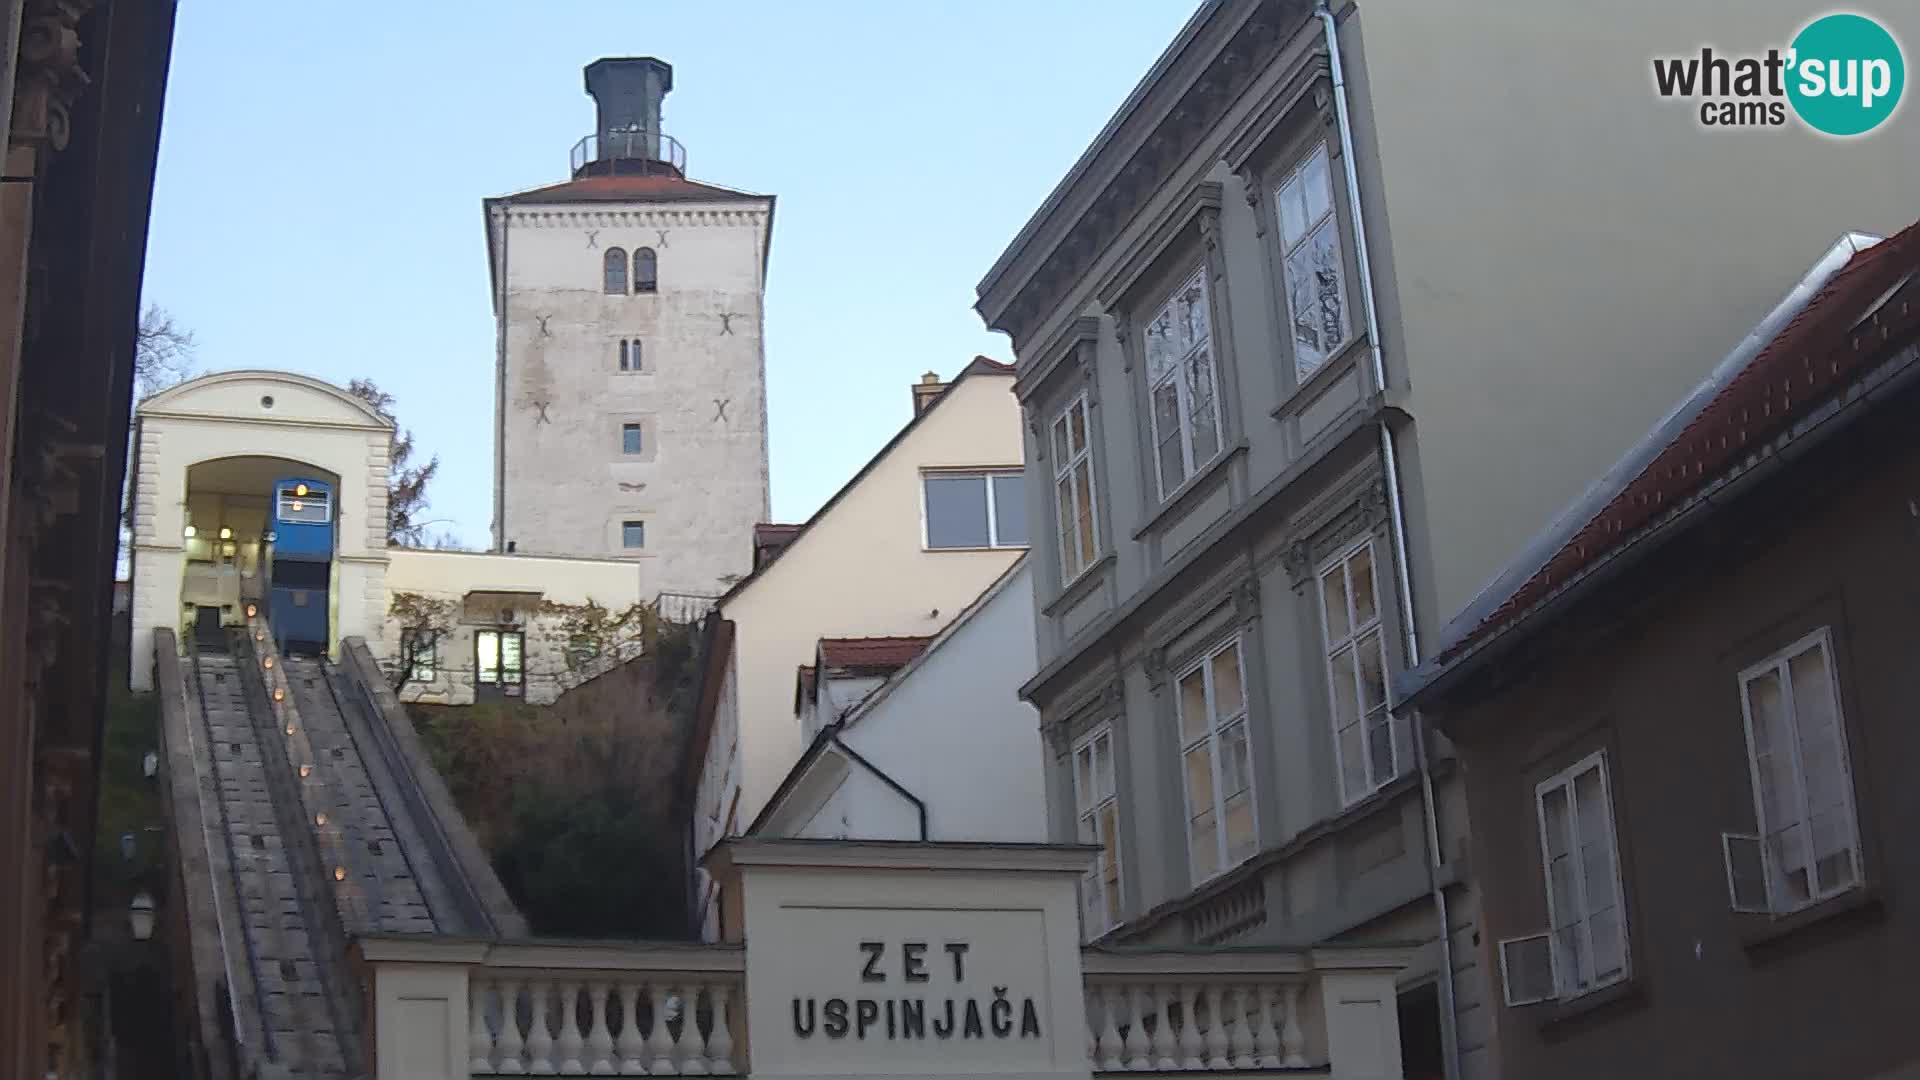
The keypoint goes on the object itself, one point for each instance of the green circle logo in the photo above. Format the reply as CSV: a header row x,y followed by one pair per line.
x,y
1846,74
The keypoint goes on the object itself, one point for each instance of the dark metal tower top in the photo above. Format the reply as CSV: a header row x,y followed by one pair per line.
x,y
627,92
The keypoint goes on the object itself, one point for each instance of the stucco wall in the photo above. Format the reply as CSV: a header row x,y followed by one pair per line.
x,y
446,577
863,569
955,733
227,415
1567,254
700,482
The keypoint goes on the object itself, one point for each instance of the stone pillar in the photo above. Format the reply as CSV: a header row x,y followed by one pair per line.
x,y
1363,1024
419,1022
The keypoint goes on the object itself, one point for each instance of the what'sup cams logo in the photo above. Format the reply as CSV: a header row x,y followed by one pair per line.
x,y
1843,75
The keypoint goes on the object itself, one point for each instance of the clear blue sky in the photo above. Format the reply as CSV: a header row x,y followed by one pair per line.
x,y
322,165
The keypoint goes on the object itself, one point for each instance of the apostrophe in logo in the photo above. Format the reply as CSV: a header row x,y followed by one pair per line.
x,y
1842,75
1847,74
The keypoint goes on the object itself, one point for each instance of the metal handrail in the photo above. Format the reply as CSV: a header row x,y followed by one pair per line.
x,y
268,1043
636,145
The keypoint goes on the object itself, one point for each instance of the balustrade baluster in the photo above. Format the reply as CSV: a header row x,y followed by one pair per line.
x,y
1191,1045
479,1039
1239,1033
1106,1040
633,1047
657,1040
691,1048
1266,1038
599,1032
1139,1048
720,1043
1166,1040
539,1036
512,1060
1293,1040
1218,1050
570,1043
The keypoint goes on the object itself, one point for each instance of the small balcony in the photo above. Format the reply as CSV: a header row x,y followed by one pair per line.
x,y
638,152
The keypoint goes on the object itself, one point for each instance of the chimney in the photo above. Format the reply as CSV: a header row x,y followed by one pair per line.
x,y
627,92
924,391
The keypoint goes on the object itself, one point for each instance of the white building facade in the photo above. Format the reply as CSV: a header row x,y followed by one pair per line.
x,y
630,402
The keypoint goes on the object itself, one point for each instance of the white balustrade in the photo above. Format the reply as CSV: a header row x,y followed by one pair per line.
x,y
611,1024
1197,1024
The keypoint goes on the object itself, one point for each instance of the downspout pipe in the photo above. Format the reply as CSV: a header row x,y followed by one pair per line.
x,y
1396,516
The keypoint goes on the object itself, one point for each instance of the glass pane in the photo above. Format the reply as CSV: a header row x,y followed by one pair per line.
x,y
1009,510
486,645
1239,827
1373,678
1083,496
1077,418
1345,705
1380,749
1064,511
1333,597
1293,210
633,534
1193,705
1199,781
956,511
1163,352
1555,823
1236,760
1353,762
1779,794
630,438
1194,320
1316,185
1571,961
510,653
1826,784
1102,767
1083,795
1203,407
1226,683
1360,573
1831,837
1166,429
1203,845
1061,452
1309,344
1788,851
1330,284
1609,944
1110,836
615,267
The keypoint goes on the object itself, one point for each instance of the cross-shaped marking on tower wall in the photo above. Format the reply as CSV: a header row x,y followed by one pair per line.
x,y
542,406
662,233
720,407
593,238
726,321
544,332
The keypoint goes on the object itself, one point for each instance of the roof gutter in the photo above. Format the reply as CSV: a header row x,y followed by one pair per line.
x,y
1900,372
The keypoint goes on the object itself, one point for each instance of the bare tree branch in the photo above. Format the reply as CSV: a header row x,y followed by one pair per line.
x,y
406,482
162,352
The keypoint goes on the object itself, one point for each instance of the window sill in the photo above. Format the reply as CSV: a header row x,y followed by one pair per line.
x,y
1561,1016
1083,583
1763,934
989,547
1172,505
1332,370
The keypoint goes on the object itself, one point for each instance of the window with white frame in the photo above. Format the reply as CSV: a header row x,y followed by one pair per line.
x,y
1372,745
1073,489
1585,946
1808,847
975,509
1314,270
1182,380
1217,763
1096,803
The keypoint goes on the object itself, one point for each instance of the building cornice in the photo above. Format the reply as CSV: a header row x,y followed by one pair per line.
x,y
1219,55
637,215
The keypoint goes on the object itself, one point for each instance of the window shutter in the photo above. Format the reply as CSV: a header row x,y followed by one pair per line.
x,y
1526,969
1746,860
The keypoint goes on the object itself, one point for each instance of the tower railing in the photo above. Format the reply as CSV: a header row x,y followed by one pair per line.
x,y
627,152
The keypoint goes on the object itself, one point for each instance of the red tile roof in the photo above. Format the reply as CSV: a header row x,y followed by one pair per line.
x,y
1803,364
871,653
650,187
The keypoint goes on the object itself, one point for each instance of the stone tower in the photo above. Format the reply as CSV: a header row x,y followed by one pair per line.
x,y
630,387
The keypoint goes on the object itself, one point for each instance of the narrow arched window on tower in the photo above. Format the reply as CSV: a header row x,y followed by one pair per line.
x,y
646,272
614,273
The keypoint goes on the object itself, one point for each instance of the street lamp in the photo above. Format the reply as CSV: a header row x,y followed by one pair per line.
x,y
140,915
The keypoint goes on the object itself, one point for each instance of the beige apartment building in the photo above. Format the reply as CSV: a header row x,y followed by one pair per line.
x,y
1311,341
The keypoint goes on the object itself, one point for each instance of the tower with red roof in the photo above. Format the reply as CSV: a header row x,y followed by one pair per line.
x,y
630,381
